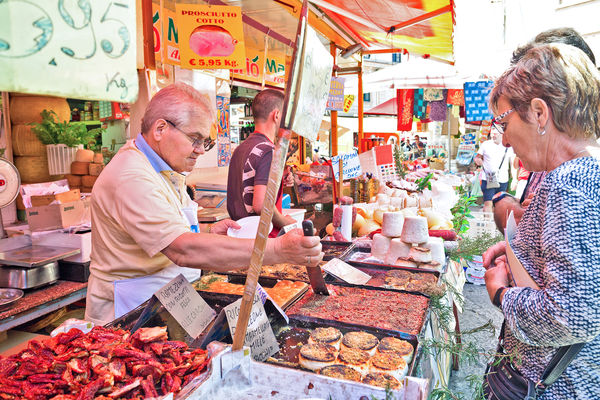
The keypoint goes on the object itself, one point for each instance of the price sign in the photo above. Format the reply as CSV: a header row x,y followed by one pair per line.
x,y
186,305
259,335
351,165
83,49
210,37
336,94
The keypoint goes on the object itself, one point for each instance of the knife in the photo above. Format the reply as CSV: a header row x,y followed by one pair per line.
x,y
315,275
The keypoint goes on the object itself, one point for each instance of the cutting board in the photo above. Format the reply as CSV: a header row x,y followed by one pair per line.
x,y
212,214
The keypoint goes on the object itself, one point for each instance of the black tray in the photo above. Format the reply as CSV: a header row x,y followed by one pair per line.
x,y
280,329
348,255
333,249
376,269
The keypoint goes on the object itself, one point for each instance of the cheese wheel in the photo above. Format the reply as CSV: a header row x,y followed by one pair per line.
x,y
88,180
411,201
436,245
95,169
383,199
380,246
86,189
84,155
397,202
415,230
397,249
74,181
391,225
98,158
80,168
420,254
405,262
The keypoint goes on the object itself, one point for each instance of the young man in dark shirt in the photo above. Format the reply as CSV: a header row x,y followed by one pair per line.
x,y
251,162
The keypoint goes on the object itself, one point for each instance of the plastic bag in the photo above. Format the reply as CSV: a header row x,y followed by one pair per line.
x,y
476,186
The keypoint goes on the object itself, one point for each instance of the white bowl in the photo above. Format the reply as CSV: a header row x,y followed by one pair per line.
x,y
249,227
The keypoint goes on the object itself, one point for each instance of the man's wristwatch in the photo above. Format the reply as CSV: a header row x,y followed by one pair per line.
x,y
497,295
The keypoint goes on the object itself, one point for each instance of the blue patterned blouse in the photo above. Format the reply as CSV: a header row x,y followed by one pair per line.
x,y
558,242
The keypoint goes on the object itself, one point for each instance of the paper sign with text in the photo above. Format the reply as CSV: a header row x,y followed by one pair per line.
x,y
259,335
83,49
351,163
210,37
336,94
186,305
346,272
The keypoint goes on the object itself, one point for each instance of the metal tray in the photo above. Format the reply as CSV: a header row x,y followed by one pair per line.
x,y
312,323
28,278
8,296
379,270
348,259
334,249
319,298
268,280
34,255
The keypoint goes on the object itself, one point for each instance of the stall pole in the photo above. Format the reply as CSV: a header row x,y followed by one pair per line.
x,y
360,101
334,113
448,129
341,180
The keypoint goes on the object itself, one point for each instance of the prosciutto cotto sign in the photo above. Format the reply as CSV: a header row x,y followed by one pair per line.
x,y
210,37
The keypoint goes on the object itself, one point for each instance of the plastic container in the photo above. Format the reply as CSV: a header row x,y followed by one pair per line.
x,y
60,158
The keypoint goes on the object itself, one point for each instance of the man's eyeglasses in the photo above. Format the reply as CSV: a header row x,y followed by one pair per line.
x,y
198,142
501,126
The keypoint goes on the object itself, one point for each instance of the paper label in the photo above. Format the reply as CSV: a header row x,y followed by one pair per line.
x,y
259,335
186,305
518,275
346,272
351,165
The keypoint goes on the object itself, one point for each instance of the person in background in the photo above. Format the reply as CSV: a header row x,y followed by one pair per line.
x,y
251,163
494,159
418,147
520,177
547,107
142,217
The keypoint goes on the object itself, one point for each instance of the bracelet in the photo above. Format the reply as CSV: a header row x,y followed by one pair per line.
x,y
496,300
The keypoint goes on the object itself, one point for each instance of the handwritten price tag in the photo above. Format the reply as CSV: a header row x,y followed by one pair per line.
x,y
351,162
82,49
186,305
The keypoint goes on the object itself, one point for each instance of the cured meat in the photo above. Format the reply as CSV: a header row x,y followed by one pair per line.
x,y
212,41
102,364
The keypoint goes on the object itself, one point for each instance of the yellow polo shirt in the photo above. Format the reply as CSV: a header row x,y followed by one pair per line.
x,y
135,215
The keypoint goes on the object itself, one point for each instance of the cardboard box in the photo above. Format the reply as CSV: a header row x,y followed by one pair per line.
x,y
57,216
81,241
65,197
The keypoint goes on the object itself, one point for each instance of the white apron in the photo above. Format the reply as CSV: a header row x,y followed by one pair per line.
x,y
130,293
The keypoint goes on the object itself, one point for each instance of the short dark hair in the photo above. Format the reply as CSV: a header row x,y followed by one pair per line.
x,y
558,35
265,102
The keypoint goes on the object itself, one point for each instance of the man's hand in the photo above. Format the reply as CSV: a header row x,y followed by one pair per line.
x,y
497,250
295,248
495,278
478,160
220,228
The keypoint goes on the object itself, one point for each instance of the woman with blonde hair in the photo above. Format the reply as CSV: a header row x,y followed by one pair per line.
x,y
548,108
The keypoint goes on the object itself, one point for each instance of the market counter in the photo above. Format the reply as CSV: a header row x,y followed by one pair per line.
x,y
38,302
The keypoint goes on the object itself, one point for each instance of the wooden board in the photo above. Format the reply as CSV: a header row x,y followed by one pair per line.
x,y
212,214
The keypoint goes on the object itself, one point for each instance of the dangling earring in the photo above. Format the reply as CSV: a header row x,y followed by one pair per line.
x,y
542,132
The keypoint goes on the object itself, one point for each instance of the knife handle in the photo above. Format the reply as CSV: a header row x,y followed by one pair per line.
x,y
307,228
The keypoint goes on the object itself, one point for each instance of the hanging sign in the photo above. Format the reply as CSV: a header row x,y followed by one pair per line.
x,y
84,49
348,100
223,139
336,94
166,37
351,165
210,37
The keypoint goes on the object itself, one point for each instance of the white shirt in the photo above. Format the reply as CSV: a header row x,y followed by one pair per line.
x,y
492,157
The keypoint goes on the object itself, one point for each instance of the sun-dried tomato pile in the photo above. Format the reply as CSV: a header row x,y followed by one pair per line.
x,y
103,364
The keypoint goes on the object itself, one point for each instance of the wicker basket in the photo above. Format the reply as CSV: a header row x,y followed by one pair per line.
x,y
25,142
33,169
60,158
26,109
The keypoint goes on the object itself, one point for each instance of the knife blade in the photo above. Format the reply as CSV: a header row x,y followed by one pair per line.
x,y
315,274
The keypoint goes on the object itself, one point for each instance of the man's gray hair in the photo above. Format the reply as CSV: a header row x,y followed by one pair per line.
x,y
179,103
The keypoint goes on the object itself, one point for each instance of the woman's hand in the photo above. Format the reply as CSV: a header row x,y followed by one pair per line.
x,y
497,250
220,228
527,201
495,278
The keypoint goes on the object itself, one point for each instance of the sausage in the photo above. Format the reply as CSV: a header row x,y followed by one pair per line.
x,y
337,217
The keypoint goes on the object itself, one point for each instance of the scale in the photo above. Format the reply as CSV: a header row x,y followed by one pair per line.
x,y
22,264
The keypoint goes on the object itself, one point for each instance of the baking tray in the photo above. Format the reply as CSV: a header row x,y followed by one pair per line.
x,y
350,254
264,280
281,329
318,299
377,272
334,249
34,255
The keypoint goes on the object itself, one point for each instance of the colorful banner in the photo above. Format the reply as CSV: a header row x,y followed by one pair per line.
x,y
84,49
404,99
211,37
348,100
166,37
223,138
336,94
477,96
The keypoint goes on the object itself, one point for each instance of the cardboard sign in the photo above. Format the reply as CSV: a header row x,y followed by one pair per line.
x,y
346,272
210,37
351,165
259,335
166,38
336,94
83,49
185,305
